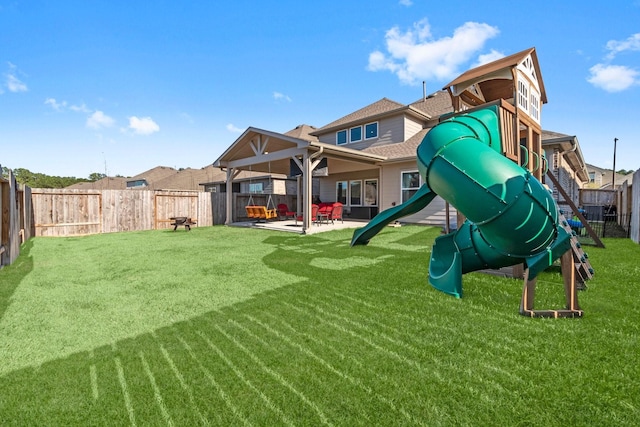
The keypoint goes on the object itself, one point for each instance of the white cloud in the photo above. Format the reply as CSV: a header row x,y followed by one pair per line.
x,y
79,108
632,43
281,97
12,82
494,55
143,125
99,120
58,106
415,55
234,129
613,78
406,3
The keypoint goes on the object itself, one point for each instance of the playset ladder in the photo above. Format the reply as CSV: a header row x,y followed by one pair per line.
x,y
576,270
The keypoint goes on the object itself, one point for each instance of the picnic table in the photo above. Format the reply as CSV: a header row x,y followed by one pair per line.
x,y
182,220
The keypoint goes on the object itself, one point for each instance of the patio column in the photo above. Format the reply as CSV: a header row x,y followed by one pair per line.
x,y
306,192
229,184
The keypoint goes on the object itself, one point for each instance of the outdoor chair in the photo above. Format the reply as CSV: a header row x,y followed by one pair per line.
x,y
284,212
336,212
314,214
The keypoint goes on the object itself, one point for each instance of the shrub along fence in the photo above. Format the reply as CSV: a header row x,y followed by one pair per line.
x,y
66,212
17,218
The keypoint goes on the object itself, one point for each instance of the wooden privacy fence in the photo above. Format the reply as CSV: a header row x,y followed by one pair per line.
x,y
17,218
65,212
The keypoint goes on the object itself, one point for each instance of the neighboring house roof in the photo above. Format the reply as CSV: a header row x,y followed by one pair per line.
x,y
154,174
107,183
188,179
303,132
569,146
606,177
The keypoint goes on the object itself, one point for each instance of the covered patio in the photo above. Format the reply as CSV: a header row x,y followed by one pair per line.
x,y
260,150
292,226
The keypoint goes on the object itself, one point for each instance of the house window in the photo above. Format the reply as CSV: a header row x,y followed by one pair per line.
x,y
341,192
341,137
371,130
255,187
355,134
370,192
137,183
410,184
355,193
592,177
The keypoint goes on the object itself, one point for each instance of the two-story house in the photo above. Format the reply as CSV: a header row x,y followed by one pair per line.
x,y
367,159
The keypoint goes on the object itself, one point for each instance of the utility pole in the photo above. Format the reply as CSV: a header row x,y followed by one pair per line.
x,y
613,177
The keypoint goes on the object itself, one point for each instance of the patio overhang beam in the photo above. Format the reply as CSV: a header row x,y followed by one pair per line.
x,y
264,157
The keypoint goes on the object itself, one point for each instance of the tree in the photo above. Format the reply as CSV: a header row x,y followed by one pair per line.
x,y
96,176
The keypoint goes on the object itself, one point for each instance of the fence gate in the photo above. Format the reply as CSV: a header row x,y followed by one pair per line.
x,y
172,205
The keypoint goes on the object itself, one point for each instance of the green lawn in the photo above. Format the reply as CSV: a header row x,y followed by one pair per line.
x,y
228,326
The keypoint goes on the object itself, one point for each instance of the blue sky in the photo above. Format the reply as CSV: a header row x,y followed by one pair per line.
x,y
124,86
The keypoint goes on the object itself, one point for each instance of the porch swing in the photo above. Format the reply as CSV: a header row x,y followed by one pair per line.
x,y
259,212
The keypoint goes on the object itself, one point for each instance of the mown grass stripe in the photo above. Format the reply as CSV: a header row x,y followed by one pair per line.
x,y
354,381
93,377
183,384
364,327
275,408
125,391
156,390
380,377
391,353
276,375
225,398
314,339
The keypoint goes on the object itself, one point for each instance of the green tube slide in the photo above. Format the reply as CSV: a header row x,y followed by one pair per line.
x,y
511,216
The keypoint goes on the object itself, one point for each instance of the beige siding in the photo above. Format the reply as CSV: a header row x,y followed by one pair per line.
x,y
390,191
390,130
411,127
327,188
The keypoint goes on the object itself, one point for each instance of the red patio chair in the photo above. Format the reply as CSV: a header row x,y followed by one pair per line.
x,y
336,212
284,212
314,214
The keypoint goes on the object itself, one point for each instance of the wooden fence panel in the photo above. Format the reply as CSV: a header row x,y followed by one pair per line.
x,y
594,197
205,209
64,212
10,231
127,210
67,212
635,208
168,205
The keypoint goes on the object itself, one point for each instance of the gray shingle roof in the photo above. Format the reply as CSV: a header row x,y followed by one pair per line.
x,y
434,105
399,150
303,132
382,106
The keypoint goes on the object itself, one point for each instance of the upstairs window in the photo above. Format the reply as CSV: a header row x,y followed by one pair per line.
x,y
355,134
371,130
341,137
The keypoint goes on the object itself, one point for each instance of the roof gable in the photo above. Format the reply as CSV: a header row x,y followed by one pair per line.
x,y
497,70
